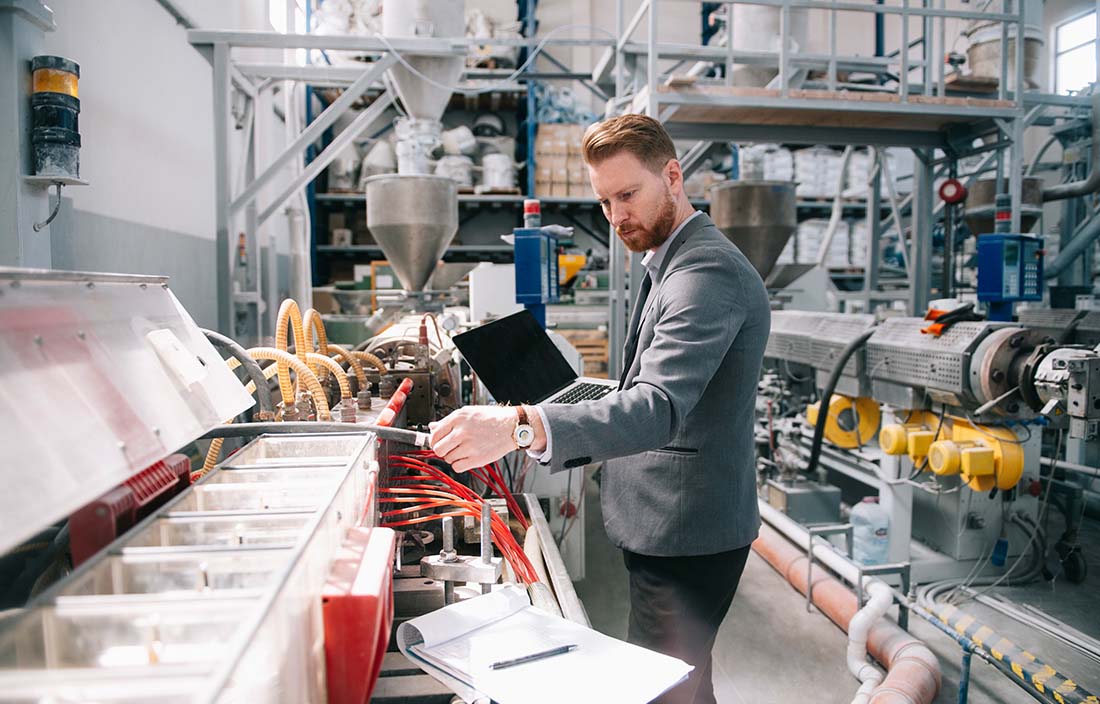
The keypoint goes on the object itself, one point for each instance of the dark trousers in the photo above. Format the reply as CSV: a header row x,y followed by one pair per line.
x,y
676,607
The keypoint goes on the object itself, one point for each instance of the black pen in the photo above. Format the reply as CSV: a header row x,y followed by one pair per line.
x,y
560,650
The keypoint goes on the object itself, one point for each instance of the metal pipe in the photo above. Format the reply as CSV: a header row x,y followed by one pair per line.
x,y
237,430
1079,245
1070,466
1091,182
571,606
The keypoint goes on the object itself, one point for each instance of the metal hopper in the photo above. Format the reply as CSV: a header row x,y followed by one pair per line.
x,y
757,216
413,219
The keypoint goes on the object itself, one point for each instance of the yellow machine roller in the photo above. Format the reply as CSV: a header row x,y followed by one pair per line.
x,y
852,422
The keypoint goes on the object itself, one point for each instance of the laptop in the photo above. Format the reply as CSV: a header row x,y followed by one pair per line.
x,y
519,363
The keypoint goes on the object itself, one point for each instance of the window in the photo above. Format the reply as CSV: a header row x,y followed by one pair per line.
x,y
1075,54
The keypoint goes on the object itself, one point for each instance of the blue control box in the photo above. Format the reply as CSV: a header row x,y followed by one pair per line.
x,y
536,259
1010,268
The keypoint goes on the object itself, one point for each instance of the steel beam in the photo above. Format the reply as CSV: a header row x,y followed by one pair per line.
x,y
716,132
632,26
346,42
223,249
920,254
348,135
315,129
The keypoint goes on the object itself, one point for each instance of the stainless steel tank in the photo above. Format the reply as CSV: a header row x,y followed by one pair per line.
x,y
413,219
757,216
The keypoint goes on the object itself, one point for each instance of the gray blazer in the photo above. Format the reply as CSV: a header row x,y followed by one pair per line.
x,y
678,436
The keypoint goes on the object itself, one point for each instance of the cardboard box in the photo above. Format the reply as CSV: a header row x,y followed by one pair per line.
x,y
559,189
580,190
559,139
543,187
551,140
551,161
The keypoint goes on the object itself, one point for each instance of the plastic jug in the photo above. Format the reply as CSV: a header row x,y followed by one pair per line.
x,y
870,532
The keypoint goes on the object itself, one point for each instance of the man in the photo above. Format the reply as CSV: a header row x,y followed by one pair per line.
x,y
678,491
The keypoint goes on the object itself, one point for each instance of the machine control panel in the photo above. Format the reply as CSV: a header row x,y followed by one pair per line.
x,y
1010,268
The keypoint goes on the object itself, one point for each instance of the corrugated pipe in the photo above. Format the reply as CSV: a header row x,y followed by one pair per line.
x,y
913,672
1092,182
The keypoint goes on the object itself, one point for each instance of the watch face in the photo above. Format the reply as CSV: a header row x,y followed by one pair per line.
x,y
524,435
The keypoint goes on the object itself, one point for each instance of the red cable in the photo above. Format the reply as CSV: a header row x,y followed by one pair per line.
x,y
503,537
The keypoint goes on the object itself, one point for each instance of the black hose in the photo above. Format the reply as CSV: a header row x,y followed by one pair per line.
x,y
19,591
237,430
263,391
827,395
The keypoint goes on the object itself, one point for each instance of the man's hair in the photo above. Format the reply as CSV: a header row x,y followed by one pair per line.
x,y
642,136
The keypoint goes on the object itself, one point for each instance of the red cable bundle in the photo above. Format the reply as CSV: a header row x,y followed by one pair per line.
x,y
490,477
426,493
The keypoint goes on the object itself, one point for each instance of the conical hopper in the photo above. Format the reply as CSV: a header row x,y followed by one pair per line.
x,y
421,99
757,216
447,274
422,19
413,219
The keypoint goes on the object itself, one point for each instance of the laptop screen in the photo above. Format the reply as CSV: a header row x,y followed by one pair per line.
x,y
515,359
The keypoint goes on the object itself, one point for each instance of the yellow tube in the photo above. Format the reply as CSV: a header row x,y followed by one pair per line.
x,y
290,320
215,449
339,352
305,376
337,371
312,322
371,360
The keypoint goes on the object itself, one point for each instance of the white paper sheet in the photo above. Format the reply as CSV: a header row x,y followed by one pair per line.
x,y
457,644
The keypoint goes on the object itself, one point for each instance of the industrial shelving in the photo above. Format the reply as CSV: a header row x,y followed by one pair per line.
x,y
906,105
243,99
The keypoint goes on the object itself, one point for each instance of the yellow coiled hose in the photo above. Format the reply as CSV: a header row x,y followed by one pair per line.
x,y
336,369
339,352
304,373
289,320
312,323
371,360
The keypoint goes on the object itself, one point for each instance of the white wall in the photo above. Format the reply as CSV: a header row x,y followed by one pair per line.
x,y
146,120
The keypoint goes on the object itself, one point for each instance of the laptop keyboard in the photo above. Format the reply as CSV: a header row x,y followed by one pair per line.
x,y
584,392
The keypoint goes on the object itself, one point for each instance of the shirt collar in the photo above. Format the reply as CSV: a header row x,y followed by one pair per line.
x,y
655,257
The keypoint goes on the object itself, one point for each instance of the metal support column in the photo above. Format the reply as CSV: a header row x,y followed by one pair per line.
x,y
920,251
223,247
616,325
1016,170
874,224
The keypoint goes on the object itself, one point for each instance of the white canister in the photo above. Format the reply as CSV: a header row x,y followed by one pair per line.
x,y
498,171
457,168
460,140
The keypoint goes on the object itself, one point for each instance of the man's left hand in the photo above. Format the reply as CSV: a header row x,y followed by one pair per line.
x,y
474,436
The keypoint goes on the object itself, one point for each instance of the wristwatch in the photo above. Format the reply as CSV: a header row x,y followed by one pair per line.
x,y
524,434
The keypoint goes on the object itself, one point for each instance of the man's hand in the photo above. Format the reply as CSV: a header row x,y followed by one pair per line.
x,y
474,436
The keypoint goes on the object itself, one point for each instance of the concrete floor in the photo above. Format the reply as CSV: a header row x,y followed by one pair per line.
x,y
770,649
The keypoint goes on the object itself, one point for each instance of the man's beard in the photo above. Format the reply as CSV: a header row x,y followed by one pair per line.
x,y
642,239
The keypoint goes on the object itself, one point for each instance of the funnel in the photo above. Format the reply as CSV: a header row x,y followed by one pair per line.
x,y
757,216
413,219
447,274
425,99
